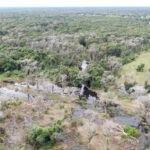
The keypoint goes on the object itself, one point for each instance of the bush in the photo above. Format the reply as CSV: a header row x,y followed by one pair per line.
x,y
76,122
147,86
129,58
132,132
8,64
140,68
44,136
95,73
82,41
19,117
114,51
71,74
128,85
15,102
8,104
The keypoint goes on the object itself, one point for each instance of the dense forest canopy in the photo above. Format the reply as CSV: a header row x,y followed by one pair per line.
x,y
59,39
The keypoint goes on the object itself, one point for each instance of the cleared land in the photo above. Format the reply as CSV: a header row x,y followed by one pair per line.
x,y
129,73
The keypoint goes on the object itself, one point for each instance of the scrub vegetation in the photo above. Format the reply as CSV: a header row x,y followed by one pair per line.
x,y
74,78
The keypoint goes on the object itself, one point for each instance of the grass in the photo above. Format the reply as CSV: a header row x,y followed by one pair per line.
x,y
7,104
60,97
129,72
2,146
131,132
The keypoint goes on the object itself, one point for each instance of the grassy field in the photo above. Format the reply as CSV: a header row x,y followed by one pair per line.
x,y
129,73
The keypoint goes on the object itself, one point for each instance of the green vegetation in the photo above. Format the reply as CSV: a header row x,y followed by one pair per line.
x,y
107,141
76,122
132,132
15,102
49,45
7,104
56,44
19,117
96,73
140,68
128,85
147,86
129,73
44,136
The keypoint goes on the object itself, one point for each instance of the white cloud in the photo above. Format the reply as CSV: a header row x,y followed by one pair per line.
x,y
61,3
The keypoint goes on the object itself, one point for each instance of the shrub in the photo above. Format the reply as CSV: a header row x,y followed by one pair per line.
x,y
95,77
129,58
7,104
61,106
4,105
44,136
81,123
114,51
128,85
71,76
8,64
82,41
132,132
19,117
76,122
147,86
140,68
16,102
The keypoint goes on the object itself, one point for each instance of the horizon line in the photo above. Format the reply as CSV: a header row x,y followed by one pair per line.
x,y
72,6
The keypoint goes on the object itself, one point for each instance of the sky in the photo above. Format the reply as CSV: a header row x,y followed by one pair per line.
x,y
72,3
